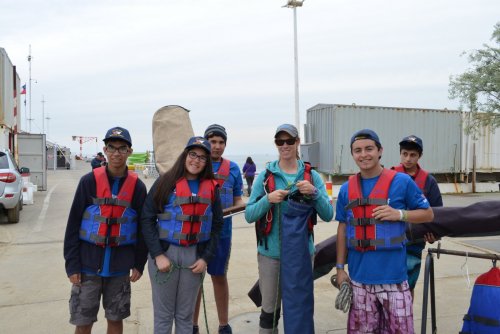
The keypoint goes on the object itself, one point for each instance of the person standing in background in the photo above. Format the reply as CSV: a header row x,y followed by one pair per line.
x,y
228,176
249,170
410,151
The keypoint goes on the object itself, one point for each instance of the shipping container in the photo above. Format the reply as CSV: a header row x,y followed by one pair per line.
x,y
33,154
330,127
10,102
485,148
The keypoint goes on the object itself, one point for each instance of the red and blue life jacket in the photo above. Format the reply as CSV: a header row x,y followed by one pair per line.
x,y
420,178
365,233
484,311
110,221
187,219
226,188
264,225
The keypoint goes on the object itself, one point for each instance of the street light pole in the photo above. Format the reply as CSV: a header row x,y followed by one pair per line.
x,y
294,4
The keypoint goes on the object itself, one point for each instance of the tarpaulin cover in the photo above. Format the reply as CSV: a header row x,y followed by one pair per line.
x,y
296,277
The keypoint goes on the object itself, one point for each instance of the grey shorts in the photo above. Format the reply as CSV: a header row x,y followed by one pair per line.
x,y
85,299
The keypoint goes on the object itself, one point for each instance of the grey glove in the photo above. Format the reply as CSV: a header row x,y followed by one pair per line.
x,y
344,298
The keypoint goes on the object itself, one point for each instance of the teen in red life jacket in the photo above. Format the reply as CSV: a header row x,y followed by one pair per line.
x,y
228,176
103,247
381,300
410,151
181,221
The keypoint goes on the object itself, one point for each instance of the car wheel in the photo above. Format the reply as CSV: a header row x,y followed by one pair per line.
x,y
13,214
21,203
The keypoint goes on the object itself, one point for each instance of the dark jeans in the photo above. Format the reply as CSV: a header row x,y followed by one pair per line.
x,y
249,183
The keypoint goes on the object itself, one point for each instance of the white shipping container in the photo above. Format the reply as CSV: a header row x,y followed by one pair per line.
x,y
486,149
332,125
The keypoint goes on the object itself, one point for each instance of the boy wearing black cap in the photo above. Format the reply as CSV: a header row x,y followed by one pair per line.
x,y
103,247
410,152
373,208
227,174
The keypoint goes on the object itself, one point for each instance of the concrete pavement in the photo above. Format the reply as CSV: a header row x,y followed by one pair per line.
x,y
34,289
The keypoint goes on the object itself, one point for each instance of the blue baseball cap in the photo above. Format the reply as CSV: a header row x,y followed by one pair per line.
x,y
288,128
412,139
199,142
118,133
366,134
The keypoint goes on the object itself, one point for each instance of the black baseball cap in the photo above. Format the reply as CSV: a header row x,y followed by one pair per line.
x,y
412,139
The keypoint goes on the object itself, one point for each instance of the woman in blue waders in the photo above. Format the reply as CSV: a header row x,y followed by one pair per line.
x,y
181,221
283,205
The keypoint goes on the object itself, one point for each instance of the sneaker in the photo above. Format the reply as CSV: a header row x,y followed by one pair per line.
x,y
226,329
196,330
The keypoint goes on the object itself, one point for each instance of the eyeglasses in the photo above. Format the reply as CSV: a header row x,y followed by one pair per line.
x,y
201,158
289,141
112,149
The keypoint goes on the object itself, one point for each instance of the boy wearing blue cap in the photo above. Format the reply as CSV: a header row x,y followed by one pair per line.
x,y
373,208
410,151
103,245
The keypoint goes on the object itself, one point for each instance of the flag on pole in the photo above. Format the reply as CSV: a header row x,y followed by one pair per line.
x,y
23,91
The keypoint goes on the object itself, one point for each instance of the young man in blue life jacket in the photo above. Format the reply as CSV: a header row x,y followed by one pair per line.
x,y
410,151
227,174
103,246
373,208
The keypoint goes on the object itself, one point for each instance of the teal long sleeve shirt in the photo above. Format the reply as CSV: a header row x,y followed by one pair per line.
x,y
258,205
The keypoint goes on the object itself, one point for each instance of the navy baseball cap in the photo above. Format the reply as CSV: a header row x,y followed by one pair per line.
x,y
366,134
288,128
118,133
414,140
199,142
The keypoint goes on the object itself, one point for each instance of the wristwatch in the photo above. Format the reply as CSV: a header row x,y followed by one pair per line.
x,y
340,266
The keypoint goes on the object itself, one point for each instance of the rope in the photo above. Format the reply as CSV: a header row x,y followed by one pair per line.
x,y
204,306
344,298
275,325
163,277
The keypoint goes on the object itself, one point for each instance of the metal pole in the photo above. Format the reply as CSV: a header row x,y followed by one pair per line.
x,y
296,64
29,102
43,114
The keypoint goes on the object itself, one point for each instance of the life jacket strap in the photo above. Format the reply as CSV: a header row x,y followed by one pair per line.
x,y
183,218
365,243
364,221
221,177
111,201
486,321
192,200
99,239
190,236
107,220
365,201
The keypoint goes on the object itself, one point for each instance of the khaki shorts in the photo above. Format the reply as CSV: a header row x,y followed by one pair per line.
x,y
85,299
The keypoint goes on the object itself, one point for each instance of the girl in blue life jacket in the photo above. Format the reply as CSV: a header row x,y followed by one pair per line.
x,y
181,221
284,252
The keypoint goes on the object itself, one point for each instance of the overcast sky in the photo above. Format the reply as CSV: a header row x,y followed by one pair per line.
x,y
102,63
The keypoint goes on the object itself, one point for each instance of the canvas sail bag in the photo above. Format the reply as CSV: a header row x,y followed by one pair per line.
x,y
171,131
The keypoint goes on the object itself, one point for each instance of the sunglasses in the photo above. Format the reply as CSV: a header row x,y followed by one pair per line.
x,y
280,142
201,158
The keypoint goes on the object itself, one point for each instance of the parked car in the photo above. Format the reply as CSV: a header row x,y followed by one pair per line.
x,y
11,187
